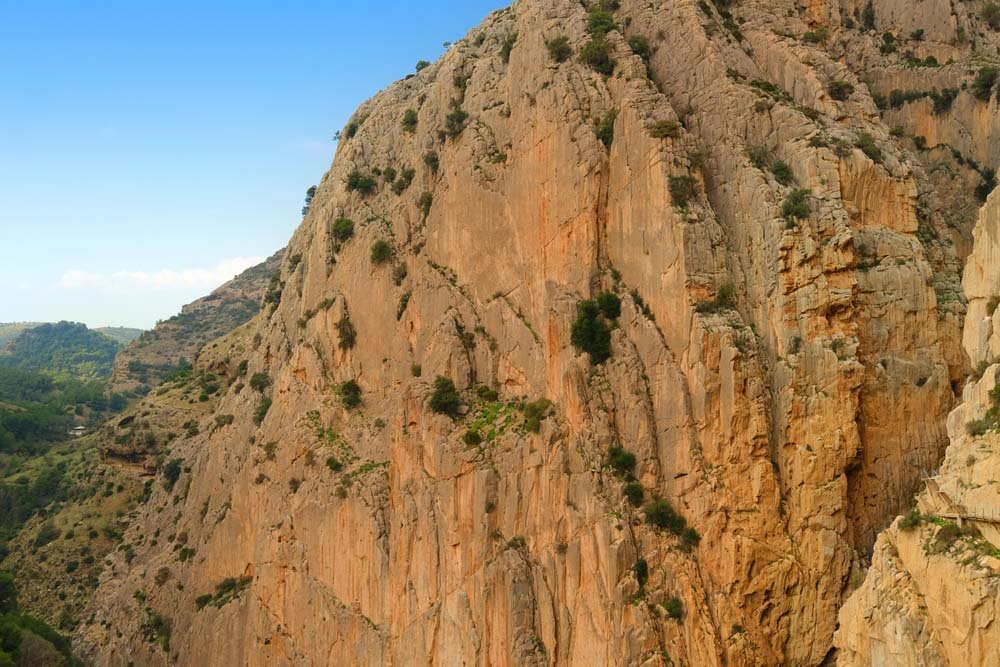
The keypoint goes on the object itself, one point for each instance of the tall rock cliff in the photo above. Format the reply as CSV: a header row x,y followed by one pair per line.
x,y
780,371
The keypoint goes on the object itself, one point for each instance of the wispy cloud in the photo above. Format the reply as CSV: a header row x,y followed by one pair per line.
x,y
136,282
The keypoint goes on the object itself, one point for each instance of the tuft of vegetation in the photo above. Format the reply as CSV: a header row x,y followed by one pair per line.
x,y
559,49
982,86
171,473
661,514
381,252
796,205
261,411
432,161
782,172
342,229
590,332
840,90
260,381
597,55
621,461
350,394
534,413
604,127
410,121
360,183
682,190
991,14
866,143
634,493
422,65
910,520
445,399
424,203
609,304
600,22
641,569
674,608
507,47
664,129
347,333
640,46
454,122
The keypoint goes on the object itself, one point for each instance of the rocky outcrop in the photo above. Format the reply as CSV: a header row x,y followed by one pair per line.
x,y
157,353
932,596
780,371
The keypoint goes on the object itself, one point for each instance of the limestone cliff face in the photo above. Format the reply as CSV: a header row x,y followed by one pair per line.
x,y
781,369
932,596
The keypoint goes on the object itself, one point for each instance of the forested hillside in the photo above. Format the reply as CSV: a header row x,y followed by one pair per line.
x,y
65,349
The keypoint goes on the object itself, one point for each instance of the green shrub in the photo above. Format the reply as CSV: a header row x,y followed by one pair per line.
x,y
664,129
360,183
347,333
432,161
260,381
609,304
422,65
796,205
409,121
690,539
171,473
342,229
507,46
445,399
759,156
261,411
350,394
333,464
559,49
604,128
416,370
621,461
977,427
816,36
839,90
635,494
48,532
454,122
982,86
597,54
381,252
866,143
486,394
534,413
661,514
425,202
590,332
782,172
640,46
943,100
404,181
682,190
472,438
991,14
910,520
641,569
674,608
600,22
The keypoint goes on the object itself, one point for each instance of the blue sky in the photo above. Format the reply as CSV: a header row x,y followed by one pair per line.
x,y
149,150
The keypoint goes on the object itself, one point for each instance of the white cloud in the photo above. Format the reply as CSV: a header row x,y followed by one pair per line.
x,y
136,282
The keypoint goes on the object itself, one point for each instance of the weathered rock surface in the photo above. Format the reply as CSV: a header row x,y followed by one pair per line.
x,y
782,377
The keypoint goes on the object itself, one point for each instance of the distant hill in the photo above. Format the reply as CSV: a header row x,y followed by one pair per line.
x,y
64,349
158,352
123,335
11,330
